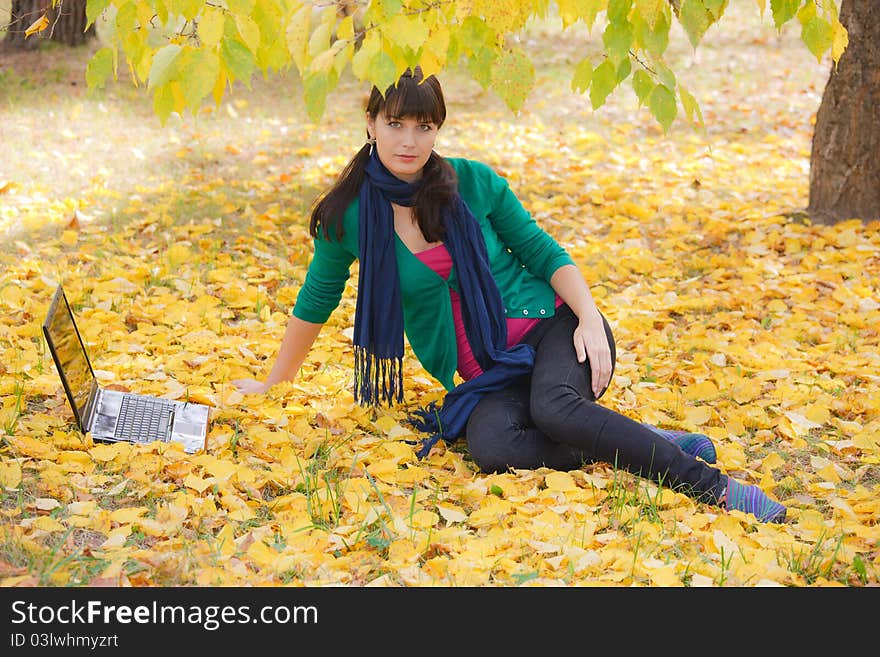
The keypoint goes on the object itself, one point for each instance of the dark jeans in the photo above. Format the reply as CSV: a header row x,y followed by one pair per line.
x,y
552,419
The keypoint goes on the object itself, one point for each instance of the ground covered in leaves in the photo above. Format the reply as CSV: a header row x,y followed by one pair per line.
x,y
182,249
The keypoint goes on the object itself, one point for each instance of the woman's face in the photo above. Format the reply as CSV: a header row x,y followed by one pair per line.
x,y
404,144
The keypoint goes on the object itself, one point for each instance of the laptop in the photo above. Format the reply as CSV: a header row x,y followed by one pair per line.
x,y
112,415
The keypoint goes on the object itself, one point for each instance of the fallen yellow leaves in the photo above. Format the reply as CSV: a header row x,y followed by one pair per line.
x,y
730,319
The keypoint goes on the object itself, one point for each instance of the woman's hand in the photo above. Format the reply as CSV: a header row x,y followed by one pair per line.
x,y
250,386
590,341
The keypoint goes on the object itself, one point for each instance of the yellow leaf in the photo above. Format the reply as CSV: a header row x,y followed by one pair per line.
x,y
829,473
698,415
219,468
37,26
772,461
117,537
665,576
702,391
46,503
560,481
82,508
196,483
47,524
12,296
104,453
128,514
10,475
69,237
491,512
839,39
424,519
73,461
178,254
818,413
451,513
384,469
262,554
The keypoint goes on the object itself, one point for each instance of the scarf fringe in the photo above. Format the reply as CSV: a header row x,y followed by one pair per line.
x,y
427,420
377,380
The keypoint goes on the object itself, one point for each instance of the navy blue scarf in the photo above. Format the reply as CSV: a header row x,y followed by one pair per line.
x,y
378,320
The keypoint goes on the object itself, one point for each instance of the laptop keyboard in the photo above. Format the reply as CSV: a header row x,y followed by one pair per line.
x,y
143,419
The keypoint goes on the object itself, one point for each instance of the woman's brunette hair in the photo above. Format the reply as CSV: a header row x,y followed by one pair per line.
x,y
411,97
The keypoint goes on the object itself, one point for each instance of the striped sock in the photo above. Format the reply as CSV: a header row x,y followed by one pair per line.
x,y
695,444
751,499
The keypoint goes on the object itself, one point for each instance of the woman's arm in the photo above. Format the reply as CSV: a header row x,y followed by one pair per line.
x,y
299,336
590,340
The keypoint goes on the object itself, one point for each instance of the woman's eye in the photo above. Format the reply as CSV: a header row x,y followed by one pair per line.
x,y
425,127
394,124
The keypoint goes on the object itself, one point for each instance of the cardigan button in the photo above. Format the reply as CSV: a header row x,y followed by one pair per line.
x,y
543,312
525,311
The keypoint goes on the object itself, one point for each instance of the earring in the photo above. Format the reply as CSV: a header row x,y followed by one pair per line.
x,y
372,142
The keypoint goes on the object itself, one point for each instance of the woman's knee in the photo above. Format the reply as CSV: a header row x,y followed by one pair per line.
x,y
493,428
551,406
485,453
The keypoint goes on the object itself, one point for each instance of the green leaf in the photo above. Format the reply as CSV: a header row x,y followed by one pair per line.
x,y
241,6
163,69
475,35
653,39
662,104
211,26
315,90
695,20
806,13
513,77
583,74
360,62
297,34
126,18
817,36
618,38
320,39
391,7
161,12
199,75
665,74
249,31
480,67
623,70
94,8
238,59
649,10
99,68
382,71
408,31
591,10
604,82
643,85
495,489
189,9
691,106
716,8
163,102
267,16
618,10
783,11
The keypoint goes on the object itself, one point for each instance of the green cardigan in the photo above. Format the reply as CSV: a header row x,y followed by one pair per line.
x,y
522,258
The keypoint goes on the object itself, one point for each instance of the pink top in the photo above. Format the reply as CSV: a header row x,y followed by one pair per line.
x,y
437,258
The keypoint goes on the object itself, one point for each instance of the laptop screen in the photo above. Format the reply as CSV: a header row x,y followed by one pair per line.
x,y
69,354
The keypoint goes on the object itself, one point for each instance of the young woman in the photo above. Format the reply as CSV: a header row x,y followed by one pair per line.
x,y
449,255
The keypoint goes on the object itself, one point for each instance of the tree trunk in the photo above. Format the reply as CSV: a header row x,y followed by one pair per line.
x,y
845,158
67,23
